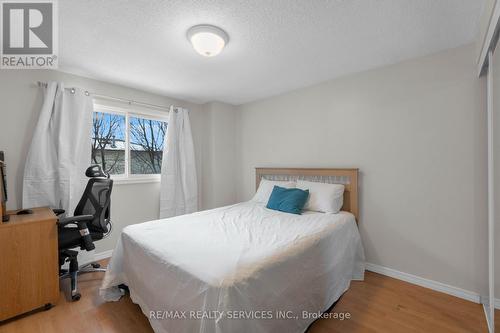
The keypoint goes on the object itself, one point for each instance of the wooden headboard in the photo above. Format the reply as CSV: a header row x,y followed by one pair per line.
x,y
347,177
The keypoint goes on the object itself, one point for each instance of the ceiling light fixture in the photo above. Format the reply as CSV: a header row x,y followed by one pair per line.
x,y
207,40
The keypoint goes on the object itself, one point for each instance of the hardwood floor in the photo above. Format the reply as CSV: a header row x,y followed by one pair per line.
x,y
378,304
383,304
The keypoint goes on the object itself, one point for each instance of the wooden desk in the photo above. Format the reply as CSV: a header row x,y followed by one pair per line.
x,y
29,272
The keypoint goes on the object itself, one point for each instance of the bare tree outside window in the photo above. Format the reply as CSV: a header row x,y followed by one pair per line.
x,y
108,142
146,145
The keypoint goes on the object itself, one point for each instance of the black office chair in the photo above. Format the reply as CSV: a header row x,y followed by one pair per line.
x,y
90,222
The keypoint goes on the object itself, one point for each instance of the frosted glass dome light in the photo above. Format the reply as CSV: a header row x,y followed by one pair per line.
x,y
207,40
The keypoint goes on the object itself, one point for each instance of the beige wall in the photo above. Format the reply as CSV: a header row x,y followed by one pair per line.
x,y
20,101
417,132
219,155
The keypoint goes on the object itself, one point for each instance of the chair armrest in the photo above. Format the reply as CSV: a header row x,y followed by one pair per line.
x,y
81,222
74,220
58,211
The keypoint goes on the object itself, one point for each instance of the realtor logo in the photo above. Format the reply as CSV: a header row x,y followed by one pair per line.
x,y
28,34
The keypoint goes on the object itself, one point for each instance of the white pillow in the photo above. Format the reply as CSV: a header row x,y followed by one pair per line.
x,y
266,188
323,197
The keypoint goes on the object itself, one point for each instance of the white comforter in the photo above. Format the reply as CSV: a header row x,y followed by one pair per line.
x,y
241,268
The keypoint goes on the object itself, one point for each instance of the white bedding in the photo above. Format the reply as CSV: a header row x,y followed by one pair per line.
x,y
209,271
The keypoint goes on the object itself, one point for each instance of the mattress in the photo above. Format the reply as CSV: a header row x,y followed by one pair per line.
x,y
240,268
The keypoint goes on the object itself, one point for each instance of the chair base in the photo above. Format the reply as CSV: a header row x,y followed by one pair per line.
x,y
75,270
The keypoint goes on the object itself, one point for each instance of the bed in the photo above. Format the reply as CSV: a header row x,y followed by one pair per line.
x,y
241,268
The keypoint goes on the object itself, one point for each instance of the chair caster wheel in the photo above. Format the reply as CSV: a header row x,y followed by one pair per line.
x,y
76,297
96,265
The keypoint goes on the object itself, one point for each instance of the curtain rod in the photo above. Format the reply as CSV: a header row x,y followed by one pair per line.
x,y
129,101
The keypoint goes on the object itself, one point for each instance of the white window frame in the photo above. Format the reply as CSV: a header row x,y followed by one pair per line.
x,y
130,111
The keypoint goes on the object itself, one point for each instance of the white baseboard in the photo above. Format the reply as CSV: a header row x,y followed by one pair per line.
x,y
426,283
103,255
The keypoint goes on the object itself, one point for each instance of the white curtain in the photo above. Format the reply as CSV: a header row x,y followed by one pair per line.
x,y
54,174
179,189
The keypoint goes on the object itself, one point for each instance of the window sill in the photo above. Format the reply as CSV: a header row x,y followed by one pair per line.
x,y
136,180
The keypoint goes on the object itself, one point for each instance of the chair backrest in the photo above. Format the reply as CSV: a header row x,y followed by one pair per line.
x,y
96,201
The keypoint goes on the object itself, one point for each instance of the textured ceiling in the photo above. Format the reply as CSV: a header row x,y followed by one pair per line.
x,y
275,45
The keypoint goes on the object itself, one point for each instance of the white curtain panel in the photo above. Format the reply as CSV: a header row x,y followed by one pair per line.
x,y
179,188
54,174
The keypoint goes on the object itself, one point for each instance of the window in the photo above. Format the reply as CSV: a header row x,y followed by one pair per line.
x,y
146,145
128,144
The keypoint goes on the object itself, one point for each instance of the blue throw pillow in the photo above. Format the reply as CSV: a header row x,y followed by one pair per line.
x,y
288,200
